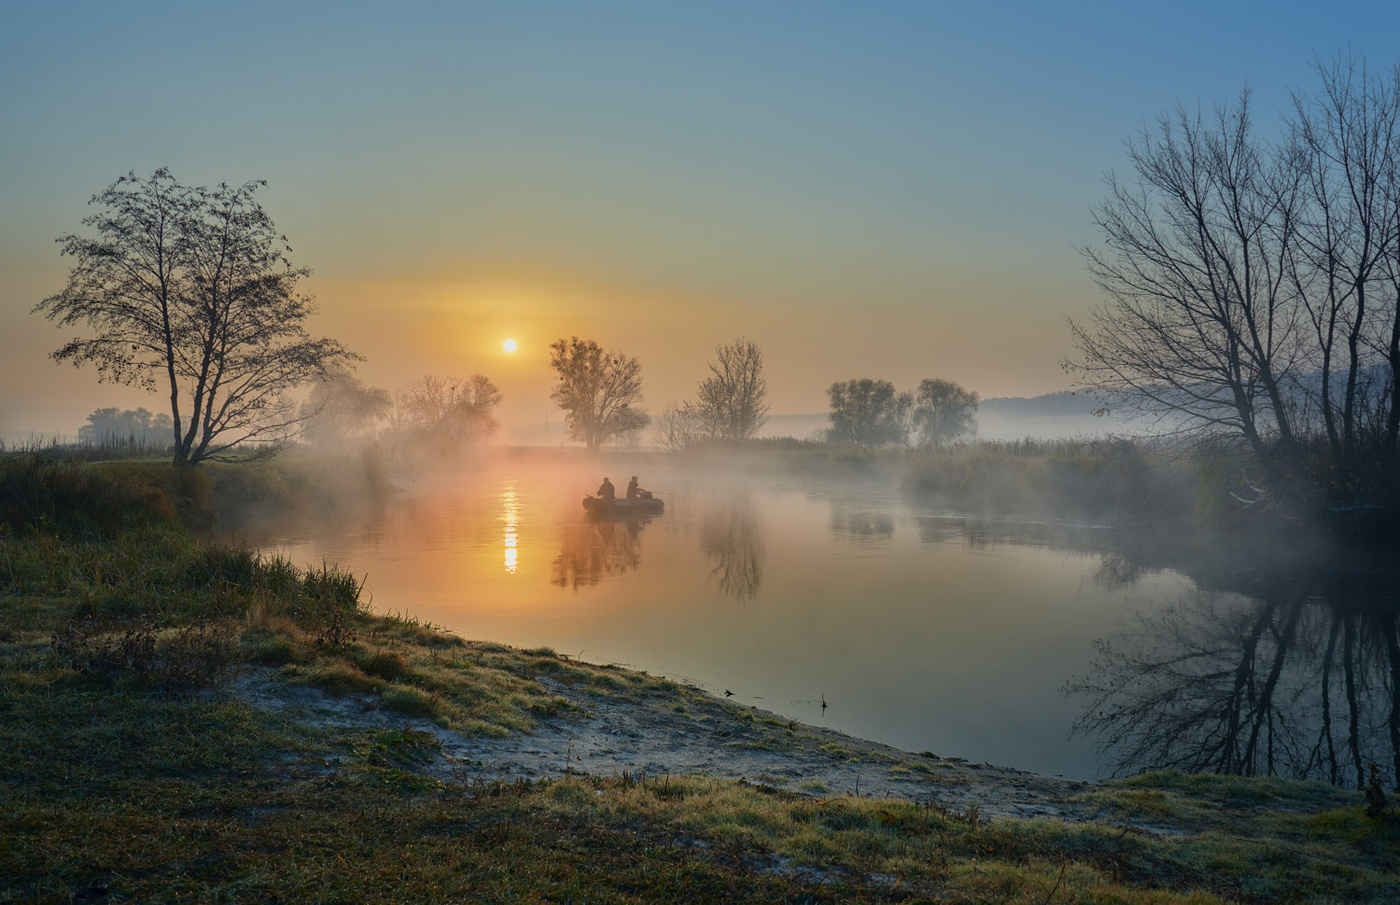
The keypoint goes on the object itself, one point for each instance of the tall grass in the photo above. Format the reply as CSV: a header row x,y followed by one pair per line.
x,y
1072,478
74,499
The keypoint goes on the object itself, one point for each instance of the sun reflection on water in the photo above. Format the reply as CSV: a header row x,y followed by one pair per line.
x,y
510,514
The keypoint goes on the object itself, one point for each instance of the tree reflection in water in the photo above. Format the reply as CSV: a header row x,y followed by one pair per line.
x,y
596,548
1295,674
731,537
860,522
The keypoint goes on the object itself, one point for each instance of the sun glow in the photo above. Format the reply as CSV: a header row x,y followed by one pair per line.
x,y
508,345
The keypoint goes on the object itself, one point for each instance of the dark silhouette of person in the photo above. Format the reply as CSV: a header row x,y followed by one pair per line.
x,y
633,491
607,491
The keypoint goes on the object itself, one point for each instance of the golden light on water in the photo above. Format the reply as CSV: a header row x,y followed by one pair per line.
x,y
509,515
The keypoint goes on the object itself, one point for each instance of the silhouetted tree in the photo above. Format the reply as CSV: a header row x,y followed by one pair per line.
x,y
1253,290
189,288
596,391
341,407
1198,320
868,413
943,412
732,402
449,410
1347,141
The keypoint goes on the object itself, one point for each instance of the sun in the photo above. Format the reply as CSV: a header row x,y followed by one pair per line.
x,y
508,345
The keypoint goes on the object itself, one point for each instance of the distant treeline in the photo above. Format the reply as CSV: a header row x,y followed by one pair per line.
x,y
132,427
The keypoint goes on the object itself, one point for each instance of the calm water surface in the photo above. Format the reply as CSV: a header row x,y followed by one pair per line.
x,y
916,627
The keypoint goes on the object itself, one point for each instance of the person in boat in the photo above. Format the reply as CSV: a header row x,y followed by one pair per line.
x,y
636,493
607,491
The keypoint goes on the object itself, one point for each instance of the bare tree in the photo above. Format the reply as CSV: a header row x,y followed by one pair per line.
x,y
449,410
597,391
868,413
679,428
732,403
943,412
190,288
1253,290
1197,320
1347,137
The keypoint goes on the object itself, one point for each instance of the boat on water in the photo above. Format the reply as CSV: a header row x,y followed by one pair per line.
x,y
624,507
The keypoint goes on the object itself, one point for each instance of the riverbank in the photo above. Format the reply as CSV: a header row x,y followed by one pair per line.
x,y
317,780
190,723
660,729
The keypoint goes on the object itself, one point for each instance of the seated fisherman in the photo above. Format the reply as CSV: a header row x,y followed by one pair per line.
x,y
636,493
607,491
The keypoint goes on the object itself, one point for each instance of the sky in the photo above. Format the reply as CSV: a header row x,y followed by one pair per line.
x,y
892,190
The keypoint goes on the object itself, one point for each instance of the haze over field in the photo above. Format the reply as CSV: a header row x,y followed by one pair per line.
x,y
892,191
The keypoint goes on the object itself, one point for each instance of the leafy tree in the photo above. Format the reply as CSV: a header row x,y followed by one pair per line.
x,y
868,413
189,289
732,402
450,410
596,391
341,407
108,425
943,412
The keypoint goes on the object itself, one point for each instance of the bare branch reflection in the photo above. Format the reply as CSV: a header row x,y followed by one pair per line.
x,y
597,548
731,537
1299,679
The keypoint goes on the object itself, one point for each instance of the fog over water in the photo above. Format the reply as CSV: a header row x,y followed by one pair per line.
x,y
918,627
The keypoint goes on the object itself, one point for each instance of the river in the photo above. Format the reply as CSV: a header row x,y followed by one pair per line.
x,y
833,600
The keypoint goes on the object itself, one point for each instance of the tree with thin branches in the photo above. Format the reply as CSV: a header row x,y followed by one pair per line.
x,y
1252,288
732,403
190,289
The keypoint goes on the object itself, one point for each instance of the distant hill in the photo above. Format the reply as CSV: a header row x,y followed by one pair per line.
x,y
1051,416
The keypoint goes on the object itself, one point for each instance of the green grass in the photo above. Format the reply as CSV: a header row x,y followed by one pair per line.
x,y
125,779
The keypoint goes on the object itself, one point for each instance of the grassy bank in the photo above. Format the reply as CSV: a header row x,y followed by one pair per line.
x,y
134,769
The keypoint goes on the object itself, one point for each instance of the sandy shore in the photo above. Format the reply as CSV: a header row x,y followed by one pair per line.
x,y
690,732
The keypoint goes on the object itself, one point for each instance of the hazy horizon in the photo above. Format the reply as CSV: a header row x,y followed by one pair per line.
x,y
894,192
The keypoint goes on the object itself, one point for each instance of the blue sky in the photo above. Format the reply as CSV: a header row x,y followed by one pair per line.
x,y
890,190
